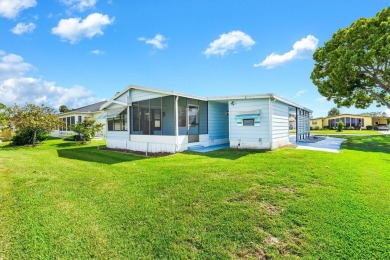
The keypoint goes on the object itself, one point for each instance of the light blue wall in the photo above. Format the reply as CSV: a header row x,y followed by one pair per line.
x,y
218,120
250,133
279,120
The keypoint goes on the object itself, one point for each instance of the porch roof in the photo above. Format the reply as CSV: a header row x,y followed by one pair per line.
x,y
258,96
153,90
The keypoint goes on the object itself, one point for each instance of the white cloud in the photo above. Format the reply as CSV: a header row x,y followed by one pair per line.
x,y
79,5
17,88
12,8
12,65
300,93
300,48
74,29
157,41
229,42
21,28
97,52
387,112
38,91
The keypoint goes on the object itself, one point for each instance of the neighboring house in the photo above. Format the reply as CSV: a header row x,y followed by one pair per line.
x,y
78,115
145,119
349,120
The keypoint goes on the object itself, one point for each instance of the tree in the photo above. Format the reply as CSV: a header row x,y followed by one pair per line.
x,y
2,115
86,130
340,126
334,112
353,68
63,109
33,117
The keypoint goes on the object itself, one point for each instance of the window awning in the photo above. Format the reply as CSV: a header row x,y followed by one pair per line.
x,y
248,114
111,113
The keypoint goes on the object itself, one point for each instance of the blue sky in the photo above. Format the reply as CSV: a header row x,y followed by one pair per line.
x,y
76,52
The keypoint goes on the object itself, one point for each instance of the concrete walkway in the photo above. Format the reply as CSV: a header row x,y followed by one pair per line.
x,y
328,144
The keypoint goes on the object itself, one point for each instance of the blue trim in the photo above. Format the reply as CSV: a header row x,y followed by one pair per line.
x,y
247,116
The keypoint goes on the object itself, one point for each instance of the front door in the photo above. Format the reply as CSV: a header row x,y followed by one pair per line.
x,y
193,123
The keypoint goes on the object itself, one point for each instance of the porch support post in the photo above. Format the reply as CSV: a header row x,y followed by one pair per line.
x,y
177,123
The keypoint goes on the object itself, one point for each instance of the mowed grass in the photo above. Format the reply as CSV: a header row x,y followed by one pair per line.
x,y
63,200
344,132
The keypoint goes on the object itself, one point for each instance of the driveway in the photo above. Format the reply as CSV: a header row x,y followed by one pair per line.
x,y
327,144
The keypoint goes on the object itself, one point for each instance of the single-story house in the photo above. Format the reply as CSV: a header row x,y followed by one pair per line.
x,y
78,115
349,120
145,119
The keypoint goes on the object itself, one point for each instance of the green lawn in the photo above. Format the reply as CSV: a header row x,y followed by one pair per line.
x,y
344,132
63,200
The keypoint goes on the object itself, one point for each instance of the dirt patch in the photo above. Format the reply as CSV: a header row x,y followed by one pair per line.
x,y
271,209
136,152
284,189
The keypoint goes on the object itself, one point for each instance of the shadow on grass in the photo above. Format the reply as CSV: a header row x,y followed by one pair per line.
x,y
380,143
92,154
228,154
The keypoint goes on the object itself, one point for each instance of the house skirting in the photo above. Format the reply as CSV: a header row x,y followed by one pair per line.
x,y
159,143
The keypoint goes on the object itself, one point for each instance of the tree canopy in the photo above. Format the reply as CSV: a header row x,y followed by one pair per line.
x,y
334,112
63,109
33,117
353,67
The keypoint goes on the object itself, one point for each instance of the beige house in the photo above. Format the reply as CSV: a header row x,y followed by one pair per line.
x,y
78,115
349,120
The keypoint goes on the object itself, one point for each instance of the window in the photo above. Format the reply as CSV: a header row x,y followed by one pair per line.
x,y
314,122
68,121
248,122
79,119
118,123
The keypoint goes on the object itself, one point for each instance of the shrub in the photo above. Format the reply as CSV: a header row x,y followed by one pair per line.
x,y
26,136
316,127
325,127
369,127
340,126
86,130
6,134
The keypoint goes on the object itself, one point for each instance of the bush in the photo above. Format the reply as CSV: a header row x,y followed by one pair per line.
x,y
26,136
369,127
6,134
316,127
325,127
340,126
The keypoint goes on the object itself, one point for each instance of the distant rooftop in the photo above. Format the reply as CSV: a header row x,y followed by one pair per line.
x,y
87,109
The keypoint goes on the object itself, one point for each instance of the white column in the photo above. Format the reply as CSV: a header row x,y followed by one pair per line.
x,y
177,123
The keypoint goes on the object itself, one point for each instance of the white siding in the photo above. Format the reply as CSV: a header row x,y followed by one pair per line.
x,y
279,124
139,95
250,136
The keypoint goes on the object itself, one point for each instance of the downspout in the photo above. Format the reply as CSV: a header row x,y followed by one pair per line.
x,y
176,123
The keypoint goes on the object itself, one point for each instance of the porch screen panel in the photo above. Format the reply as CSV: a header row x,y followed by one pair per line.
x,y
145,117
135,116
182,117
155,116
203,120
168,115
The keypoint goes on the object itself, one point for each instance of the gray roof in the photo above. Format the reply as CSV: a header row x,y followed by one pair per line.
x,y
87,109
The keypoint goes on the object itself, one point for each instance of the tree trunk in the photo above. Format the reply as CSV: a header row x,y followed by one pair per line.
x,y
35,137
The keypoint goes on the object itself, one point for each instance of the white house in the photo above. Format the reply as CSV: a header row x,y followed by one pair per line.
x,y
145,119
78,115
